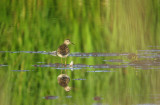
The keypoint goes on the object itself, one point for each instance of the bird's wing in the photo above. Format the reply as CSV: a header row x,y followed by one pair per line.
x,y
63,49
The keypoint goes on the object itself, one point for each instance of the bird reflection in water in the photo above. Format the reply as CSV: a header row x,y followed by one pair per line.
x,y
63,51
63,80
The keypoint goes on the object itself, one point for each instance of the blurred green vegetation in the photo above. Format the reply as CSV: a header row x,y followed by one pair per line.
x,y
94,26
105,25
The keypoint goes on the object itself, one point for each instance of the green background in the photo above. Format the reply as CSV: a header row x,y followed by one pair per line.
x,y
107,26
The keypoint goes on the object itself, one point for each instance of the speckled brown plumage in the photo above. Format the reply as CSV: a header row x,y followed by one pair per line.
x,y
63,80
63,50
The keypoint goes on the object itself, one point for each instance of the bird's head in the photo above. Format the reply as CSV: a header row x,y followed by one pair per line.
x,y
67,42
67,88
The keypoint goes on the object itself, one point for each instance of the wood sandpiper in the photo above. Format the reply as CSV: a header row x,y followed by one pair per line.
x,y
63,50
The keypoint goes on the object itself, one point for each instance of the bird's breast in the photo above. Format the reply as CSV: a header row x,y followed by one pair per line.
x,y
63,51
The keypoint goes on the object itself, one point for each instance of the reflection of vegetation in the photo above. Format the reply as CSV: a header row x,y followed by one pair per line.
x,y
94,26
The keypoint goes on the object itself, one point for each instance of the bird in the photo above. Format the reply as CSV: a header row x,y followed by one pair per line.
x,y
63,50
63,81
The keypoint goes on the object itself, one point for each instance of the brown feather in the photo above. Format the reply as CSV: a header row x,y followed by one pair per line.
x,y
63,50
63,80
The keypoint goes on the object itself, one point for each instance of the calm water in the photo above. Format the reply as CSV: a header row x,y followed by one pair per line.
x,y
115,59
113,78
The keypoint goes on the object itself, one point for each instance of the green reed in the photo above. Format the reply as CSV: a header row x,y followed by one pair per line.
x,y
94,26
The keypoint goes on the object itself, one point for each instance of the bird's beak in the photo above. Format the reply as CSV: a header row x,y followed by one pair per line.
x,y
73,43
